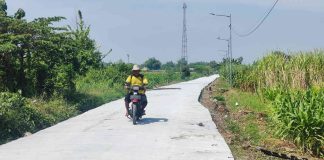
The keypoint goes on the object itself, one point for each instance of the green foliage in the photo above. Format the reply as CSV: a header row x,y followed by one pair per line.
x,y
17,117
161,78
252,133
99,86
185,72
153,64
87,54
53,110
41,59
277,70
168,66
214,65
233,126
203,69
198,68
20,14
182,62
300,117
219,98
3,7
294,83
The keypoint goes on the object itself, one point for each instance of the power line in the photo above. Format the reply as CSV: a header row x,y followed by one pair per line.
x,y
257,26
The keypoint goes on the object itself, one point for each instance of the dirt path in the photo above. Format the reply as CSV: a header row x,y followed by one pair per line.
x,y
176,127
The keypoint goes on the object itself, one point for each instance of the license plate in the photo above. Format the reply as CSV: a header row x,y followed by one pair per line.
x,y
135,97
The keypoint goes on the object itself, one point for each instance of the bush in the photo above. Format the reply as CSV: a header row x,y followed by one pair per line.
x,y
161,78
17,117
153,64
185,72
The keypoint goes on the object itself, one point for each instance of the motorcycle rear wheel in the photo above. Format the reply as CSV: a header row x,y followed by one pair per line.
x,y
134,108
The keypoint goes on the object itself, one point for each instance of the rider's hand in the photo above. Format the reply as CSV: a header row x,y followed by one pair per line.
x,y
126,114
144,88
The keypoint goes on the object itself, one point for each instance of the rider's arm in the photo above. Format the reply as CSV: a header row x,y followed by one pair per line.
x,y
145,83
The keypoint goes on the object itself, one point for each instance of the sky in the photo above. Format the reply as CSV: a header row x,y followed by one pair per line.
x,y
153,28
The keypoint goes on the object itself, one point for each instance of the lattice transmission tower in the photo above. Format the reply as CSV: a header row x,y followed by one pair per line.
x,y
184,50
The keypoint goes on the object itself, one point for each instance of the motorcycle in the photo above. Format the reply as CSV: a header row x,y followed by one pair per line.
x,y
136,111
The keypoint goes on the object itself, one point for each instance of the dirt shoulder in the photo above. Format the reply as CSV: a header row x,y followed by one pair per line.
x,y
244,128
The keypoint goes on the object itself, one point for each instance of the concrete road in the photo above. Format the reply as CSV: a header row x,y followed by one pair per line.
x,y
177,127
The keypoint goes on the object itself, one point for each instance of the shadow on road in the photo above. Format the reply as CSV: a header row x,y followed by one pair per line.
x,y
152,120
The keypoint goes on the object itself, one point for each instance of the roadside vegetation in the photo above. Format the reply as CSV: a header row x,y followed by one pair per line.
x,y
49,73
277,103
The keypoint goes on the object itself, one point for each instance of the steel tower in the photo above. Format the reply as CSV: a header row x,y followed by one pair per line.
x,y
184,50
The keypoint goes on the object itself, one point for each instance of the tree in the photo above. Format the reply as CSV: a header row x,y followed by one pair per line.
x,y
39,58
87,54
168,65
3,7
185,72
182,63
238,60
20,14
203,69
152,64
214,65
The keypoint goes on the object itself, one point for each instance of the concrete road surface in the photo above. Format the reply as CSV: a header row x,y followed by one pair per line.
x,y
177,127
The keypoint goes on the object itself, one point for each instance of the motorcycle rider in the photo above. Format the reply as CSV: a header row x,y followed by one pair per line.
x,y
136,79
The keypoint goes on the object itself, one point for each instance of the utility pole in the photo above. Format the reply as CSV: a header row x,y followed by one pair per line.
x,y
128,58
231,52
227,60
229,45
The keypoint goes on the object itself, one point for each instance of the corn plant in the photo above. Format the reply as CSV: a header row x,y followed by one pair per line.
x,y
300,117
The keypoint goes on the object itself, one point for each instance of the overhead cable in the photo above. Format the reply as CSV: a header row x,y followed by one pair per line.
x,y
259,24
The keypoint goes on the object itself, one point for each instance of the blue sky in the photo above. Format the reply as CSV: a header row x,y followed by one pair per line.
x,y
152,28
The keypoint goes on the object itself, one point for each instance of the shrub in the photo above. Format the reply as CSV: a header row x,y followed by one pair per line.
x,y
17,117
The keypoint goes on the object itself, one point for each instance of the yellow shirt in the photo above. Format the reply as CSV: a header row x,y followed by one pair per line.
x,y
137,81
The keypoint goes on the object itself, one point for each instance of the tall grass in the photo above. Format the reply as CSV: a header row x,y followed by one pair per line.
x,y
297,71
295,84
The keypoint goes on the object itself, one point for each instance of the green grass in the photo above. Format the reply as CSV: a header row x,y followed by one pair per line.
x,y
246,100
244,125
219,98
